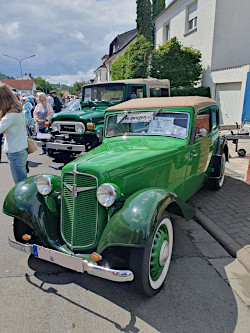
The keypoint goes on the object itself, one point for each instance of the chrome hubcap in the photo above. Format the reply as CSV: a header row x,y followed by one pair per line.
x,y
164,253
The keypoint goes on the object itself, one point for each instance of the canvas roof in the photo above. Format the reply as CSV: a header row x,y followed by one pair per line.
x,y
195,102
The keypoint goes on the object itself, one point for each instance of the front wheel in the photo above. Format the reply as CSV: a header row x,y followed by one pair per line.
x,y
150,264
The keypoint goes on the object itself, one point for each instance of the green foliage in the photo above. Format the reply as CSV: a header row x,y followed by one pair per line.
x,y
76,88
181,65
191,91
3,76
134,63
143,20
43,85
157,7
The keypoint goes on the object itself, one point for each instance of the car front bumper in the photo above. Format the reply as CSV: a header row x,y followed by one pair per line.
x,y
74,263
59,146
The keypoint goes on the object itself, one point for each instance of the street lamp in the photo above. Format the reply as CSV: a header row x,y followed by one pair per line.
x,y
20,63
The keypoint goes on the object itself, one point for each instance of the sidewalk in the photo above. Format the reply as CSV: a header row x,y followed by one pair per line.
x,y
225,214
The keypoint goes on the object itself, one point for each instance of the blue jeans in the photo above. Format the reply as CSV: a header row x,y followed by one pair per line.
x,y
42,130
18,164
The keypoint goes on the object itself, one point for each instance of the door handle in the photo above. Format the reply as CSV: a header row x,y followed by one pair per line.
x,y
193,154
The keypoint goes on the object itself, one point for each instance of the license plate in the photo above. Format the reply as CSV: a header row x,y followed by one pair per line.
x,y
58,258
67,128
41,136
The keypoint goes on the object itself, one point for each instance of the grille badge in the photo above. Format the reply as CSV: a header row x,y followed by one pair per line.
x,y
75,190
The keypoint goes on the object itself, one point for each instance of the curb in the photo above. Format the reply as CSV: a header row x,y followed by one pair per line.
x,y
220,235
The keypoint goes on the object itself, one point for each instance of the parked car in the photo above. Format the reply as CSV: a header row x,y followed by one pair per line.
x,y
78,131
109,212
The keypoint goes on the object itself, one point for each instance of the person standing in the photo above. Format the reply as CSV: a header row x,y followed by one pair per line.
x,y
13,125
27,107
57,107
43,113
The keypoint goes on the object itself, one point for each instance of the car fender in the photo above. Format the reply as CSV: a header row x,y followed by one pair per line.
x,y
222,147
133,225
40,213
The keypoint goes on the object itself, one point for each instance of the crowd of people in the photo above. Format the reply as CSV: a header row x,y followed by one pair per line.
x,y
21,118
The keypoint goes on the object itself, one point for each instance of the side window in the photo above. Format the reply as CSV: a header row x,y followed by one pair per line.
x,y
159,92
215,118
135,92
202,120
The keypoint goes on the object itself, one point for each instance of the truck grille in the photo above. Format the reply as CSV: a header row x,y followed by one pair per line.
x,y
79,210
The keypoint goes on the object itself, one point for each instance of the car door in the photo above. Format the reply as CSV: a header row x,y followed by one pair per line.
x,y
199,154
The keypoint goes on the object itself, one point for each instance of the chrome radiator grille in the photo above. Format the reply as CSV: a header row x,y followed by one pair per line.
x,y
79,210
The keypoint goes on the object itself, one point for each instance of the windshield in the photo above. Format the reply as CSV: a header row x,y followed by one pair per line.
x,y
161,123
104,93
73,106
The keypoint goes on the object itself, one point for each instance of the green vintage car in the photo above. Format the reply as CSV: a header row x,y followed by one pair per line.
x,y
109,214
76,129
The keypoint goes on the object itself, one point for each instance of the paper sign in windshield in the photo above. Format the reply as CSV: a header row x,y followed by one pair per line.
x,y
142,117
161,125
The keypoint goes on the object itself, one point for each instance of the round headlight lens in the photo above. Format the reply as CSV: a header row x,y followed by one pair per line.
x,y
80,128
44,185
55,127
106,195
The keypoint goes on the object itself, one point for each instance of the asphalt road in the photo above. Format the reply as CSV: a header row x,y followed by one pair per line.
x,y
36,296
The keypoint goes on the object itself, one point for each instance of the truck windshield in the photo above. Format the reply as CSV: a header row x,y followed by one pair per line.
x,y
161,123
104,93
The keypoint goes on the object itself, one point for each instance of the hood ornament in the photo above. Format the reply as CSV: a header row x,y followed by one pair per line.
x,y
75,190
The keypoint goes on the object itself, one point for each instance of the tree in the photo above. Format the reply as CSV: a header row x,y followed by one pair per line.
x,y
181,65
143,21
157,7
134,63
43,85
76,88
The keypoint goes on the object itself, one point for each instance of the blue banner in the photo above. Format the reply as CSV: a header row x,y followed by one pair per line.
x,y
246,105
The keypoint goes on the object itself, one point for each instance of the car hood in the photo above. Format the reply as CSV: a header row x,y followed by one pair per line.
x,y
79,115
124,161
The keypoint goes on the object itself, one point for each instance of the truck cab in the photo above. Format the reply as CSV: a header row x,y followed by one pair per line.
x,y
76,130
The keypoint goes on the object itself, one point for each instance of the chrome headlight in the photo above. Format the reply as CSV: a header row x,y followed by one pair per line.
x,y
55,127
80,128
44,184
107,194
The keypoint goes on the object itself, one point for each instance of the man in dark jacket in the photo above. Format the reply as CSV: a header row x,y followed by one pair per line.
x,y
57,107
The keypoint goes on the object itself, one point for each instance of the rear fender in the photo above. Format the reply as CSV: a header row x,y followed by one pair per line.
x,y
133,225
40,213
221,148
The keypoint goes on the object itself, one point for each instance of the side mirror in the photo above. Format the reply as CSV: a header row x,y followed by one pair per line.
x,y
202,132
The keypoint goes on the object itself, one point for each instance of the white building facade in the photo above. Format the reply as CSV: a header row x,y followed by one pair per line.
x,y
219,29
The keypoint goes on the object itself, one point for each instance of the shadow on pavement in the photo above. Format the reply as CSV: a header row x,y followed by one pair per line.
x,y
194,298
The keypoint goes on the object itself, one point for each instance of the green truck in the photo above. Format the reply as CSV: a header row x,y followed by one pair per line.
x,y
109,214
78,128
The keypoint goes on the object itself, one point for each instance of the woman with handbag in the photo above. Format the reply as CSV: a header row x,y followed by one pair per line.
x,y
42,114
13,125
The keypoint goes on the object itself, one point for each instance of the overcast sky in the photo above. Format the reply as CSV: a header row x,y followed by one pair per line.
x,y
68,37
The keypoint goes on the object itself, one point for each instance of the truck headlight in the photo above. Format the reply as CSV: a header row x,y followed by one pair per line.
x,y
44,184
80,128
55,127
107,194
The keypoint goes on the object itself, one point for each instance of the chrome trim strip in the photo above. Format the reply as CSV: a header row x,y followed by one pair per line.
x,y
92,269
74,172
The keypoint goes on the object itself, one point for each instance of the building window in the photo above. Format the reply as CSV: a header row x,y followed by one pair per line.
x,y
167,32
192,16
